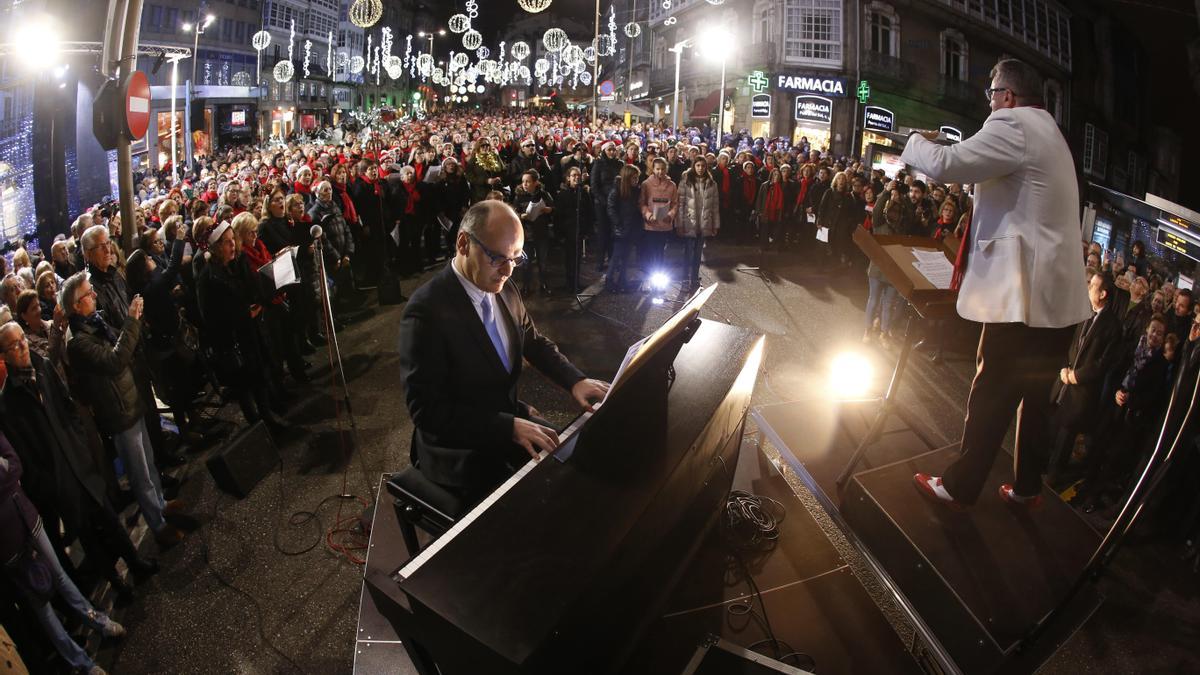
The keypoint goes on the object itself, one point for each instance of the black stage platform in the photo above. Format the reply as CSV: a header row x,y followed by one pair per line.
x,y
814,602
973,581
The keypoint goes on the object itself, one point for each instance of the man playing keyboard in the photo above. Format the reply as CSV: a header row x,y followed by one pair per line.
x,y
464,336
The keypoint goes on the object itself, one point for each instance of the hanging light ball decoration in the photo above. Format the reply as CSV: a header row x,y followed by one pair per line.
x,y
261,40
633,29
572,54
342,59
535,6
585,78
366,13
605,45
472,40
460,60
357,63
670,21
555,39
394,70
483,53
284,70
241,79
393,62
425,64
541,66
590,54
459,23
519,50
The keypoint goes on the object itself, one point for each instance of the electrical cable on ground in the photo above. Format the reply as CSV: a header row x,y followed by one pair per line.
x,y
750,525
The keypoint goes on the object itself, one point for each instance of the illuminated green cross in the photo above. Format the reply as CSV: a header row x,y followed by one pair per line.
x,y
864,91
758,81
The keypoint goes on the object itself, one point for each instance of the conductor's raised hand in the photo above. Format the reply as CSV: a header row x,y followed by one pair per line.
x,y
588,391
534,437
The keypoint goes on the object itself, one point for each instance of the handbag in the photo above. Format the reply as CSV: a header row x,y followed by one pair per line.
x,y
29,570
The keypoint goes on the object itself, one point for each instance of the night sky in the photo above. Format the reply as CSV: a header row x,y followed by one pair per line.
x,y
494,15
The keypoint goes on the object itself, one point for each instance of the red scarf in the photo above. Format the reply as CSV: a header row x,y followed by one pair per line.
x,y
748,188
867,221
375,185
420,169
259,255
773,209
301,188
804,183
943,228
960,261
348,211
414,196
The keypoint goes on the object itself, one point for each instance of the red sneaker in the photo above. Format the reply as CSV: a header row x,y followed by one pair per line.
x,y
1011,497
926,486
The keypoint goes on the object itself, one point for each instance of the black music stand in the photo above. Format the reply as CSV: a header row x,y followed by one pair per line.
x,y
894,256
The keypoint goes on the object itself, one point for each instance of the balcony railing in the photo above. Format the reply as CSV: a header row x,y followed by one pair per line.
x,y
889,67
959,91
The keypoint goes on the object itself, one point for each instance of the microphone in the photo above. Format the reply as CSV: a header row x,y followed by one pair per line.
x,y
315,231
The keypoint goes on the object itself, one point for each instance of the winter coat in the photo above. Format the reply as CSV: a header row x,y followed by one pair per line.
x,y
336,240
699,206
573,210
103,372
44,427
625,213
657,193
226,293
605,172
838,211
18,517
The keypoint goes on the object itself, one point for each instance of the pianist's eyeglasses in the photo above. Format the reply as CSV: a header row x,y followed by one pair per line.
x,y
496,259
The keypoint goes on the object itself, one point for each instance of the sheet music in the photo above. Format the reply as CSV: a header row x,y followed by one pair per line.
x,y
536,209
283,271
937,272
927,256
823,234
629,353
660,212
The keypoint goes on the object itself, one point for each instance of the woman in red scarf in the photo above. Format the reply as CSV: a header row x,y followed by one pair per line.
x,y
746,196
367,191
770,210
339,177
947,219
303,186
275,316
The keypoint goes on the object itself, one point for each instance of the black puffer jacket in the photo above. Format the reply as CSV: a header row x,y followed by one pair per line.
x,y
605,172
338,243
103,371
625,213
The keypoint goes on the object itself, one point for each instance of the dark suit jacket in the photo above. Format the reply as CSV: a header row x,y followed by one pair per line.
x,y
1092,356
461,400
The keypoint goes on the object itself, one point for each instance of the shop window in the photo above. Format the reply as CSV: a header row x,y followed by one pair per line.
x,y
883,29
954,55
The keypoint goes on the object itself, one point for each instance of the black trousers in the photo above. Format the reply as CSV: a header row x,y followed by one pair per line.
x,y
1014,370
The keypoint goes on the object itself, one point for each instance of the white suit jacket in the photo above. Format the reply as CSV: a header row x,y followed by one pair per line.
x,y
1025,264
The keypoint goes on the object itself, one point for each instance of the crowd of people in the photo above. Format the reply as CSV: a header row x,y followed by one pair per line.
x,y
93,337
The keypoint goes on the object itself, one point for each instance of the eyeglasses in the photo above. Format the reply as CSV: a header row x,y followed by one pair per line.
x,y
496,259
17,343
991,91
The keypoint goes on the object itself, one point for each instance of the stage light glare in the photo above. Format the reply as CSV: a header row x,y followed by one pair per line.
x,y
656,301
850,375
659,281
36,43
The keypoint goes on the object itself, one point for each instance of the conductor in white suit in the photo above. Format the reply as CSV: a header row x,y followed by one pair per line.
x,y
1024,279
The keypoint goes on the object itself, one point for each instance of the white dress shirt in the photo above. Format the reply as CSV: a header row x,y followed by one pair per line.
x,y
1024,266
478,297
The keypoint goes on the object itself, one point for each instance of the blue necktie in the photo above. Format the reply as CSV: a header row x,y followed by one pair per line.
x,y
493,331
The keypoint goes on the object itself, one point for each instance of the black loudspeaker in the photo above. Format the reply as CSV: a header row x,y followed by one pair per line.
x,y
243,461
389,288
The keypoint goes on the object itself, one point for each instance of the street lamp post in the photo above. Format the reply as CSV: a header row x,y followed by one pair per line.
x,y
721,104
715,41
429,36
678,49
198,30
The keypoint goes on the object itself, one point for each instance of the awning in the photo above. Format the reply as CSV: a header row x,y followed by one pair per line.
x,y
707,106
622,108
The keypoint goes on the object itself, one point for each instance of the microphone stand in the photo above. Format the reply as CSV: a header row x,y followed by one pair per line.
x,y
334,347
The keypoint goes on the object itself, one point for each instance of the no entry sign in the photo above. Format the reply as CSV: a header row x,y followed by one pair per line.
x,y
137,105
